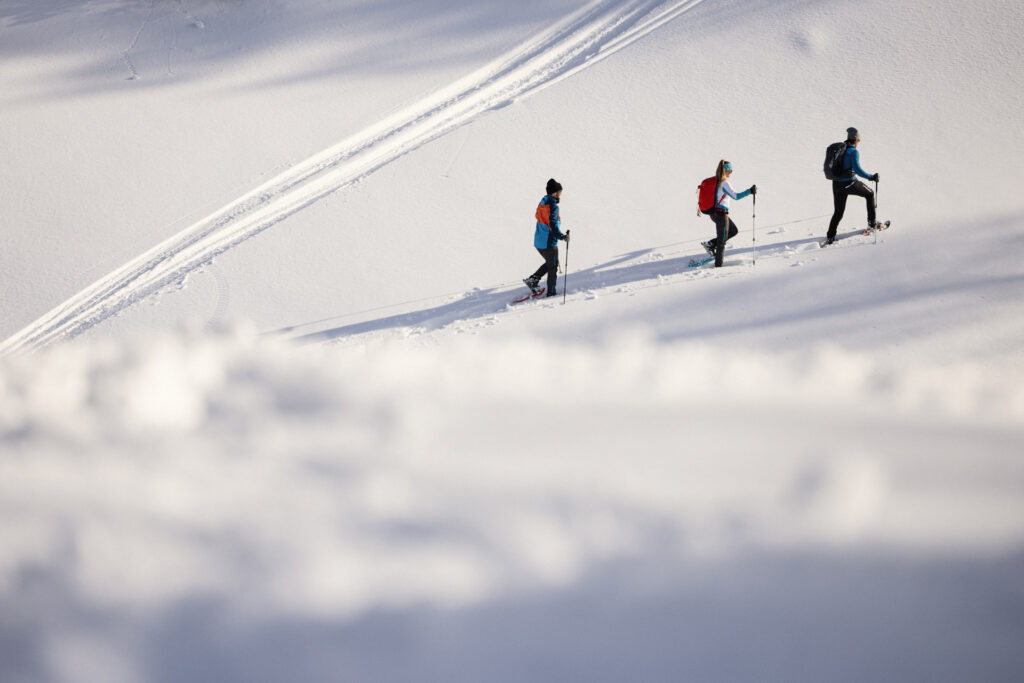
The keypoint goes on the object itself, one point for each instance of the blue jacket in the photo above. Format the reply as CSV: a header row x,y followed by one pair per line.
x,y
549,224
851,166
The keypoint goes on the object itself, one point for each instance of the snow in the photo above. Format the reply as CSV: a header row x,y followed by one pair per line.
x,y
267,414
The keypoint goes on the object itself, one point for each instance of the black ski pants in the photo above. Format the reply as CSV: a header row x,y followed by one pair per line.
x,y
549,268
725,230
840,192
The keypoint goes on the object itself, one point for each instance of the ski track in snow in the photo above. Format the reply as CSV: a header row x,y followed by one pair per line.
x,y
586,37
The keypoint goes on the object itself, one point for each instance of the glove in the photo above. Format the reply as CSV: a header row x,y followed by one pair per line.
x,y
566,238
874,178
753,189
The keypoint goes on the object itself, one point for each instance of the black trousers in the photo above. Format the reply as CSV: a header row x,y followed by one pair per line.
x,y
725,230
840,193
550,268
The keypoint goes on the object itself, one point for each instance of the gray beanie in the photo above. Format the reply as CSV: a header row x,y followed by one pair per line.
x,y
852,134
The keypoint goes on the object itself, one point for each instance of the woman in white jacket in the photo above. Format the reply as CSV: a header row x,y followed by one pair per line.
x,y
724,226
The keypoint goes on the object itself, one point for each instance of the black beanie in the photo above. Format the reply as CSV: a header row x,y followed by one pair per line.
x,y
852,134
554,186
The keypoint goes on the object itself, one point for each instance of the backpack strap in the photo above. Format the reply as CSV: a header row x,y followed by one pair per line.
x,y
846,167
715,207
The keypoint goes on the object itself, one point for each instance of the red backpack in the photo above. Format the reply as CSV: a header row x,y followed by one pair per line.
x,y
706,192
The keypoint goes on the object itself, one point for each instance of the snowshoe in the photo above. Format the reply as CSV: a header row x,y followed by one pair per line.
x,y
532,295
534,286
879,225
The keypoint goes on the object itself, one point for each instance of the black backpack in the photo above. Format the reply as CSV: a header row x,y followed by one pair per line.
x,y
835,155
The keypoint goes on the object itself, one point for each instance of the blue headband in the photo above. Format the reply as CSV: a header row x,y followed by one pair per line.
x,y
727,167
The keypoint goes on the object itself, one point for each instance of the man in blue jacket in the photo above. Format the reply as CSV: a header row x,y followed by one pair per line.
x,y
546,236
846,184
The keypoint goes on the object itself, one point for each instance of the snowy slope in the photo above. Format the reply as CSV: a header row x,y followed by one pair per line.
x,y
630,142
133,120
583,39
265,412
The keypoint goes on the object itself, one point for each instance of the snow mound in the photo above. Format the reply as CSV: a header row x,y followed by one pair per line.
x,y
282,483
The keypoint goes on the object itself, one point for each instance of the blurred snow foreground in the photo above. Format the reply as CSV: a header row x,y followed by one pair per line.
x,y
199,485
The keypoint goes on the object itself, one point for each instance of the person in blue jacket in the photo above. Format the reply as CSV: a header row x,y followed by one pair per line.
x,y
846,184
546,236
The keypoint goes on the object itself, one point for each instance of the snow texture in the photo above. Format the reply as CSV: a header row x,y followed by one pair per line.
x,y
267,414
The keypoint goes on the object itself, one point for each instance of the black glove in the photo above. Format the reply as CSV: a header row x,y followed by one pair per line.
x,y
874,178
566,237
753,189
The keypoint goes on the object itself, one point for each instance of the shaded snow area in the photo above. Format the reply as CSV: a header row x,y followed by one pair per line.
x,y
219,507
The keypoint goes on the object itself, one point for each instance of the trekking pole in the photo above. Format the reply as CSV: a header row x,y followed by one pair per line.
x,y
753,223
876,214
565,278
